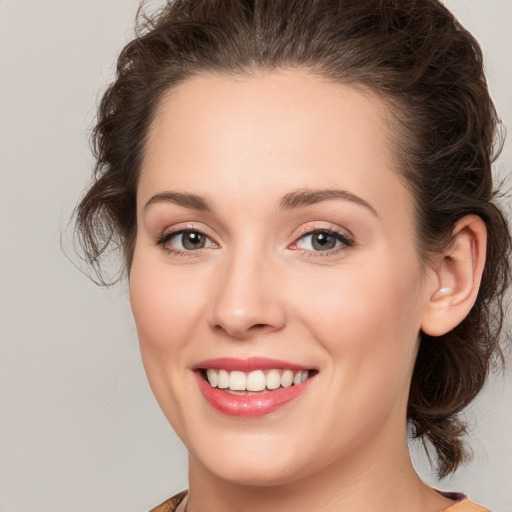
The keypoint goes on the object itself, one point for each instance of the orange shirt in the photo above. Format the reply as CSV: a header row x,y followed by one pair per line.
x,y
463,505
466,506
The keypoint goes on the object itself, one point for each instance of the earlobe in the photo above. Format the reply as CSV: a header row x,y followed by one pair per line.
x,y
457,277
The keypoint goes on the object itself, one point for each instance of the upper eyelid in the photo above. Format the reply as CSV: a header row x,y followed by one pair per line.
x,y
331,228
169,232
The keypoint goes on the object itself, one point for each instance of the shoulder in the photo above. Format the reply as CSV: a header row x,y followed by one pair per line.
x,y
462,503
171,504
466,506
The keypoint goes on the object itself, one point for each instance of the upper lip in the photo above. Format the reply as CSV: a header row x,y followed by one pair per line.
x,y
248,365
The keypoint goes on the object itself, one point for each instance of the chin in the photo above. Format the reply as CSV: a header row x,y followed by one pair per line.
x,y
255,472
249,459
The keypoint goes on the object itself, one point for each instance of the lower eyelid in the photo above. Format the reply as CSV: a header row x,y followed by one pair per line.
x,y
335,253
328,252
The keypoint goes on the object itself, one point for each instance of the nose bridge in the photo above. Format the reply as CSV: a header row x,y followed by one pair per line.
x,y
246,300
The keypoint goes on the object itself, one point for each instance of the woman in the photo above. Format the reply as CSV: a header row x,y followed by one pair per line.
x,y
303,194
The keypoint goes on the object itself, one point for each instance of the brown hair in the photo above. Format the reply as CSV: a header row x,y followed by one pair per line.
x,y
426,66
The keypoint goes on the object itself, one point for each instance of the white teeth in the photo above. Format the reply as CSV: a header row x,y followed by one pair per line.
x,y
287,379
223,379
256,380
237,381
273,379
212,377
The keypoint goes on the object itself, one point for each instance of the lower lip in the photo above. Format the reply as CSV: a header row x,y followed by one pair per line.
x,y
249,406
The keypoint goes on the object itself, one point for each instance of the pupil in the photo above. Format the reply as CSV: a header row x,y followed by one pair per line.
x,y
193,241
323,241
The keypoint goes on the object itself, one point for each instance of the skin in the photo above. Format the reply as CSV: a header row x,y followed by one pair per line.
x,y
259,288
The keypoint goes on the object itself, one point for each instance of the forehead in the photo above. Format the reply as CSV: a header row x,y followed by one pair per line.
x,y
273,109
270,133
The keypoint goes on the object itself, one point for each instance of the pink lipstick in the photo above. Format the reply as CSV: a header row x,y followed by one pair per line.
x,y
251,387
247,365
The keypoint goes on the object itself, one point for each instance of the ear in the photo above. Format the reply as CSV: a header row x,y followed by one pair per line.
x,y
457,273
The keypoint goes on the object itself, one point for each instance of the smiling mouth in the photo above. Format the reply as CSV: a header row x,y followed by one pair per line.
x,y
253,387
254,382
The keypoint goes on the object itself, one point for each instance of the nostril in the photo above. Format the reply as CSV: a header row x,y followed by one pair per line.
x,y
244,331
260,328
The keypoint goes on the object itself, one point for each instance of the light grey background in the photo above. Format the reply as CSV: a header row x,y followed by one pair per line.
x,y
79,428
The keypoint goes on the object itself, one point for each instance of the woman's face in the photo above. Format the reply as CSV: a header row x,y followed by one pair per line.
x,y
275,238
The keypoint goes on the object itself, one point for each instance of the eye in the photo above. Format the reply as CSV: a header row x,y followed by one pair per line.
x,y
323,240
185,240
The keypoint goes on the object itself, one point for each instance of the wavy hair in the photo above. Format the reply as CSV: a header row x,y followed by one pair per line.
x,y
427,68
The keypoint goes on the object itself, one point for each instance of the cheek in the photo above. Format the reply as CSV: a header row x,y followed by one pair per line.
x,y
164,305
368,317
367,323
166,309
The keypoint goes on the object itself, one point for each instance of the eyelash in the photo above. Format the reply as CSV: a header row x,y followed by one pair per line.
x,y
345,240
163,239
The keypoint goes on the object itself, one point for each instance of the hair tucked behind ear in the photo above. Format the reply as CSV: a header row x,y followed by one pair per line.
x,y
412,53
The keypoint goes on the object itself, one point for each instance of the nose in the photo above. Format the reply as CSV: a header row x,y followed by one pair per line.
x,y
247,299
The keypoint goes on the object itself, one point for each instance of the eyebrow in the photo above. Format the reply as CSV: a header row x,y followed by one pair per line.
x,y
292,200
192,201
306,197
